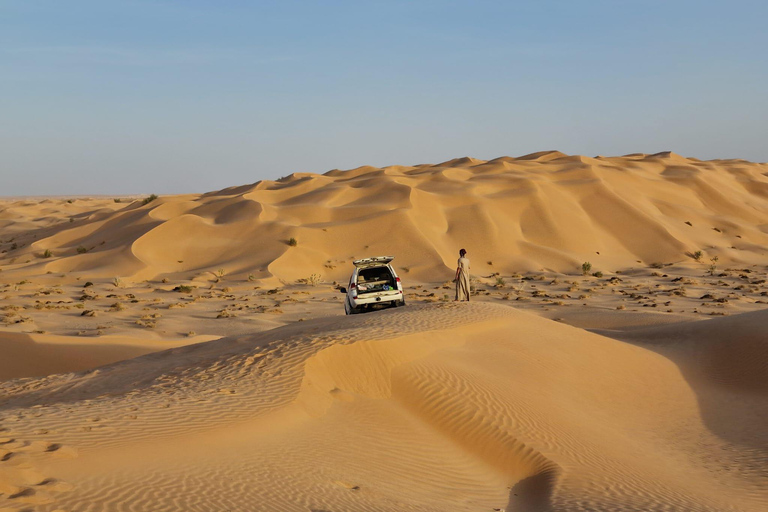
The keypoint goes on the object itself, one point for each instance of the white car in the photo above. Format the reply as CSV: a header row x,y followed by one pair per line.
x,y
374,283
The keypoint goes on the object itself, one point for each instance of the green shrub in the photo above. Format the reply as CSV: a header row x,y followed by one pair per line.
x,y
697,255
293,242
47,253
713,265
598,274
81,250
183,288
149,199
586,267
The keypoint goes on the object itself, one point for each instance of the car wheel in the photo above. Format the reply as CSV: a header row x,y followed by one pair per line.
x,y
348,309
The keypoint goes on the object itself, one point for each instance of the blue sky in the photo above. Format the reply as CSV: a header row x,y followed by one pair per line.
x,y
139,96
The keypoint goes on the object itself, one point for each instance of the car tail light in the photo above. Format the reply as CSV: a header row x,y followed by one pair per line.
x,y
397,279
353,285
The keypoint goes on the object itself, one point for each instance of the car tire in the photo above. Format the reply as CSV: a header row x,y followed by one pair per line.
x,y
348,309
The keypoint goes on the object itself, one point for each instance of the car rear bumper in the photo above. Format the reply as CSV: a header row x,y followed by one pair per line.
x,y
376,298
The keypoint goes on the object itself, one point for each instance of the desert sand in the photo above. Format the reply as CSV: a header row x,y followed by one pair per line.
x,y
191,352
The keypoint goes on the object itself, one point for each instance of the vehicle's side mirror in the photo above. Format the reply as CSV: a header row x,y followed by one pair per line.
x,y
342,289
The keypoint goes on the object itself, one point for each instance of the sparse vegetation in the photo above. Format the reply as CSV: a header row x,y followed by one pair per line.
x,y
500,283
712,268
251,277
81,249
148,199
184,288
293,242
117,282
698,255
586,267
597,274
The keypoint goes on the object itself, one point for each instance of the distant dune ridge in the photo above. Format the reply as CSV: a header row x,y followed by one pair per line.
x,y
545,210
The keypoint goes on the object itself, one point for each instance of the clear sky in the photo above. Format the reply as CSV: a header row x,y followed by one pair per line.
x,y
140,96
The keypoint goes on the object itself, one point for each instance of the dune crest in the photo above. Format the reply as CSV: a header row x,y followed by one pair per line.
x,y
435,407
544,209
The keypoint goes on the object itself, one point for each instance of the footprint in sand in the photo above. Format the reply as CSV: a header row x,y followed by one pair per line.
x,y
351,487
29,495
51,484
61,451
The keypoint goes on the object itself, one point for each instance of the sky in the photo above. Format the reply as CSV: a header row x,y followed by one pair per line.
x,y
140,96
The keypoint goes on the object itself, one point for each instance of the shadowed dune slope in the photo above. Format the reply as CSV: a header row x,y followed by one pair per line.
x,y
545,210
438,407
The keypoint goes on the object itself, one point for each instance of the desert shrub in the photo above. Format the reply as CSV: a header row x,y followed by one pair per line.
x,y
500,282
117,282
293,242
598,274
586,267
87,284
148,199
712,265
698,255
117,200
47,253
183,288
82,249
251,277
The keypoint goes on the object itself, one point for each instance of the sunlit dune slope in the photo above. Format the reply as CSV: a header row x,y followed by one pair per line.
x,y
544,210
441,407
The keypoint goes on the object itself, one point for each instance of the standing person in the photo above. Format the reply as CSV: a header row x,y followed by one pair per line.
x,y
462,277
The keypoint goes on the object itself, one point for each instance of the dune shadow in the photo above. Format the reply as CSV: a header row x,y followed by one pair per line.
x,y
724,361
534,493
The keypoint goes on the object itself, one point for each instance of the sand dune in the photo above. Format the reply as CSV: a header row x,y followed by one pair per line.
x,y
33,355
442,407
594,392
546,210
